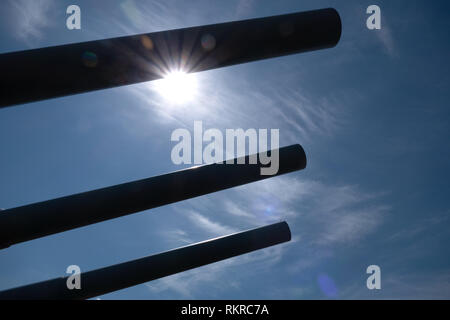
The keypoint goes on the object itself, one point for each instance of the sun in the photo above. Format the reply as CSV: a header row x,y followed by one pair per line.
x,y
177,87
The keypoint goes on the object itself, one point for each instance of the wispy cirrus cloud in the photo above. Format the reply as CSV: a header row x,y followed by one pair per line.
x,y
32,17
150,15
177,236
386,38
322,217
299,118
342,214
208,225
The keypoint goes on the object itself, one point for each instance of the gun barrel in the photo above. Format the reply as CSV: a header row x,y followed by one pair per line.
x,y
58,71
53,216
124,275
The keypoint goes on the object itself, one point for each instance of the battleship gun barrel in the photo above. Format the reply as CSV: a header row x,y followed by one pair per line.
x,y
51,72
53,216
120,276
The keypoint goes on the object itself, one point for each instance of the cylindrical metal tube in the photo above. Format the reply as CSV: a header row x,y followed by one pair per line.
x,y
51,72
124,275
45,218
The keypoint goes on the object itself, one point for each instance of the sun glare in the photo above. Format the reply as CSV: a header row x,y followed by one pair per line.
x,y
177,87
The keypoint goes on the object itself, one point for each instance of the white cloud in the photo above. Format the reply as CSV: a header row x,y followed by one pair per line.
x,y
349,226
153,14
322,217
341,214
386,38
336,214
233,208
220,103
177,236
208,225
31,17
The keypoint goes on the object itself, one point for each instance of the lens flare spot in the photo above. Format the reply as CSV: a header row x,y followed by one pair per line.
x,y
147,42
90,59
208,42
327,286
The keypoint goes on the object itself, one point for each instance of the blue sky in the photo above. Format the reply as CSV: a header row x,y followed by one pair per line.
x,y
372,115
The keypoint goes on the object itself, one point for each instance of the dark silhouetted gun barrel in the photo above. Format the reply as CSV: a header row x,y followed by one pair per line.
x,y
51,72
45,218
98,282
